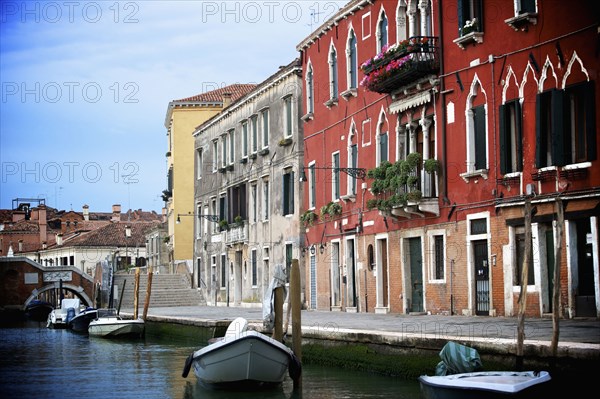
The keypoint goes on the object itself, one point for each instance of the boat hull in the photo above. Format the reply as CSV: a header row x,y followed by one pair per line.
x,y
250,359
489,385
38,310
116,327
81,322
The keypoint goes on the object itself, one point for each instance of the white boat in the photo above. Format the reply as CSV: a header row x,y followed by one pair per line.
x,y
108,323
486,384
59,317
242,359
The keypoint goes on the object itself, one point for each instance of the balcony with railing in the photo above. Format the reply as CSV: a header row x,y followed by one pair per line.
x,y
401,63
236,233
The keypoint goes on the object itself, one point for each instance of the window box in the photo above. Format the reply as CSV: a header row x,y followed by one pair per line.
x,y
230,167
252,156
223,169
285,142
544,174
522,21
263,152
244,160
401,64
472,37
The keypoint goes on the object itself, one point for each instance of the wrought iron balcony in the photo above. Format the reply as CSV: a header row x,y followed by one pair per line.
x,y
401,64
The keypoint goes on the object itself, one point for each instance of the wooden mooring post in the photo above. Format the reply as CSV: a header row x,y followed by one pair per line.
x,y
148,291
136,291
295,299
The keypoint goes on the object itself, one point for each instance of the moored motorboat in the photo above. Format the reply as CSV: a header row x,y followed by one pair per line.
x,y
109,323
38,310
59,317
82,320
242,359
485,384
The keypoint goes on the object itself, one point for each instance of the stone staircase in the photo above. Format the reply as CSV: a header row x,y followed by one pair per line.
x,y
168,290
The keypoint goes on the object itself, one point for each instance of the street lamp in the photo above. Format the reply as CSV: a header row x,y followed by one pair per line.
x,y
359,173
212,218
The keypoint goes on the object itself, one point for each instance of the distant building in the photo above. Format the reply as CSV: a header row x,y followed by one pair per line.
x,y
79,239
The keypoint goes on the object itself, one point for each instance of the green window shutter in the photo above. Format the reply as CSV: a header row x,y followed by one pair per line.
x,y
503,136
480,142
590,120
540,142
291,183
519,135
559,146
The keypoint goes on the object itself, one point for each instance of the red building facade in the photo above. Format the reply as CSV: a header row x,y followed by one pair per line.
x,y
519,93
428,127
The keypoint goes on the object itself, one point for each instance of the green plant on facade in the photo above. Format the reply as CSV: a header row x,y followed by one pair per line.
x,y
330,210
431,165
308,218
223,225
238,220
395,184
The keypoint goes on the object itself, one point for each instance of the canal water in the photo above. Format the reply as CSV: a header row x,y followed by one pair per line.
x,y
38,362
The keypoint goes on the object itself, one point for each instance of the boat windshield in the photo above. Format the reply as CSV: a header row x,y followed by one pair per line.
x,y
107,312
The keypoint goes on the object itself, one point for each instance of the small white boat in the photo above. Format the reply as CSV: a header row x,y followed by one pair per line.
x,y
59,317
108,323
485,384
243,359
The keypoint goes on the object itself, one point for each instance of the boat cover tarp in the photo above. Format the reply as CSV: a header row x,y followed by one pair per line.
x,y
457,358
269,301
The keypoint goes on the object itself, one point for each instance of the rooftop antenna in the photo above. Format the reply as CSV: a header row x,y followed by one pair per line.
x,y
313,20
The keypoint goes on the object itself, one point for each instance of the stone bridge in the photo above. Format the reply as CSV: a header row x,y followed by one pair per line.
x,y
23,280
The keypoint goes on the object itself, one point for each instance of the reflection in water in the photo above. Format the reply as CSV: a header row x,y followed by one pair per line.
x,y
37,362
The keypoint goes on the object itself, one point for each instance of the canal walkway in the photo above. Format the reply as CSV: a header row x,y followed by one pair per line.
x,y
578,339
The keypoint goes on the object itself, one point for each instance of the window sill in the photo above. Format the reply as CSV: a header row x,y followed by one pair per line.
x,y
348,197
474,174
575,171
473,37
308,117
349,93
522,21
331,102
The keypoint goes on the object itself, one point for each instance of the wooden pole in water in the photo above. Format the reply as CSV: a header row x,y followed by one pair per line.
x,y
121,297
148,290
296,316
560,216
136,292
524,280
278,322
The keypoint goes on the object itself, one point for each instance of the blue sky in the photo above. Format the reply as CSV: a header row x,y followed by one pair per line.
x,y
85,87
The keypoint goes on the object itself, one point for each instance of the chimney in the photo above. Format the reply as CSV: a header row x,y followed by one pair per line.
x,y
164,214
226,99
59,238
86,213
116,213
43,223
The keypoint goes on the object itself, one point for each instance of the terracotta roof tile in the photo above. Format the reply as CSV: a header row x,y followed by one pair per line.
x,y
237,91
110,235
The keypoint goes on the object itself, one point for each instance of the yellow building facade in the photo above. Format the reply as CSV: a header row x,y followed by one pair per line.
x,y
182,118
